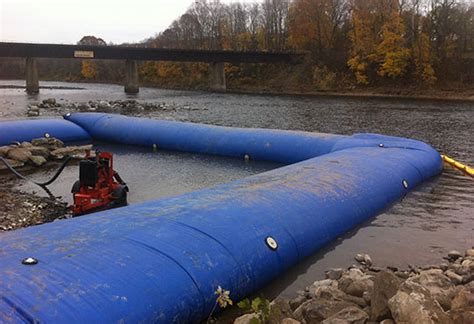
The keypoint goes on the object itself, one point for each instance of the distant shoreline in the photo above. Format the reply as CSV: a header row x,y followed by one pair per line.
x,y
463,95
360,94
10,86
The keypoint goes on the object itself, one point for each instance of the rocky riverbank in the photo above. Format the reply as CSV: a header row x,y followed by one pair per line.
x,y
365,293
124,107
21,209
38,152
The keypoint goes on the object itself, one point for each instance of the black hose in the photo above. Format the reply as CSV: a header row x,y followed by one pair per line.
x,y
41,184
118,178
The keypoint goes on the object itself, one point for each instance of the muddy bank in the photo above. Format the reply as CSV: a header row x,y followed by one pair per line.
x,y
365,293
21,209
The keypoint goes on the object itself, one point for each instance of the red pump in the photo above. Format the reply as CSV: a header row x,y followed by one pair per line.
x,y
99,187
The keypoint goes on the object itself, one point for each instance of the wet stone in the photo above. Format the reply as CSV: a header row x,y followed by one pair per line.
x,y
454,254
334,274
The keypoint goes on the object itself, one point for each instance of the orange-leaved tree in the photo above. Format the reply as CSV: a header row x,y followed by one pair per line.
x,y
89,69
392,55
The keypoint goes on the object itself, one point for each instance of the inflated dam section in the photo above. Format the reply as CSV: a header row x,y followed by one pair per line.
x,y
162,260
27,130
260,144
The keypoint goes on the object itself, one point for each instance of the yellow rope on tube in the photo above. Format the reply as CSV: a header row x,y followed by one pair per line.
x,y
458,165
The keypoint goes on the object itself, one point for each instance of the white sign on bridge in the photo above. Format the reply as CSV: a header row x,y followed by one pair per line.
x,y
84,54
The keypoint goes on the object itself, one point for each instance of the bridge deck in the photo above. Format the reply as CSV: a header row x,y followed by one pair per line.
x,y
141,53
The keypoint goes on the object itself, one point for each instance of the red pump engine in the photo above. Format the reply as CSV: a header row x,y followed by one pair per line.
x,y
99,186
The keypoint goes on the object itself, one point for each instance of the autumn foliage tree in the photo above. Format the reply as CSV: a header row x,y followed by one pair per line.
x,y
348,42
392,54
89,68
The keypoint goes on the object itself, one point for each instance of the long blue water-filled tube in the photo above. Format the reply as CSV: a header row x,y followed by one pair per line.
x,y
26,130
162,260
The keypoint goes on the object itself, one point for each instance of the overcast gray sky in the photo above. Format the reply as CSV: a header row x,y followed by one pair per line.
x,y
66,21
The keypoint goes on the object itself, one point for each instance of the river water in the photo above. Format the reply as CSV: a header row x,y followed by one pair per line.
x,y
430,221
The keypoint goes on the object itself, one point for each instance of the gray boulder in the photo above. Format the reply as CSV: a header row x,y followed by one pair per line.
x,y
246,319
467,267
50,102
333,293
454,277
413,303
296,302
4,150
37,160
364,259
386,285
74,151
453,255
438,284
387,321
33,113
39,150
321,283
279,309
317,310
334,274
354,282
349,315
19,154
104,105
83,106
464,299
289,321
462,306
50,143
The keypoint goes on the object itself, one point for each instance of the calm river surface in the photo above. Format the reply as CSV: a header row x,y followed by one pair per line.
x,y
435,218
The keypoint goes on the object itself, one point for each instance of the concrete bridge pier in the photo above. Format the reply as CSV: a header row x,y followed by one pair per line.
x,y
217,77
32,82
131,77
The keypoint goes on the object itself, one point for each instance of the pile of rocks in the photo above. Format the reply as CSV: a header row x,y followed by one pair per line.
x,y
367,294
112,106
34,109
117,106
39,151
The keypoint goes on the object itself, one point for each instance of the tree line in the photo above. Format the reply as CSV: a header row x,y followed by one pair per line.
x,y
349,43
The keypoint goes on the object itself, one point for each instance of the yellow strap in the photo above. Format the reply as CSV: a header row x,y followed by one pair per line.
x,y
458,165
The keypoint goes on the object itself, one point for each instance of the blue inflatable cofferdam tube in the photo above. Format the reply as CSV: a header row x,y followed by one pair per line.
x,y
161,261
27,130
260,144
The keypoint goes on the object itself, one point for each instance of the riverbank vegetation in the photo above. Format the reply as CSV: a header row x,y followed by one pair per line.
x,y
373,46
